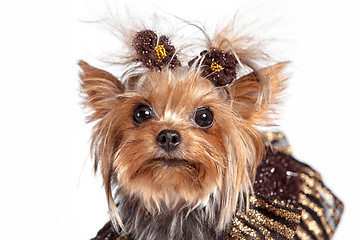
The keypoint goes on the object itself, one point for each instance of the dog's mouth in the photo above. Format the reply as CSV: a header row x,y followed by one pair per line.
x,y
173,162
177,164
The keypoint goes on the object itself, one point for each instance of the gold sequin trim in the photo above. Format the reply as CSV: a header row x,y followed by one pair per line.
x,y
264,231
311,224
317,201
243,229
274,136
263,226
309,221
289,216
241,217
302,234
277,142
311,173
272,224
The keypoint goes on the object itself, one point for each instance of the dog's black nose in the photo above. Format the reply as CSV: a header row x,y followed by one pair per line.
x,y
168,139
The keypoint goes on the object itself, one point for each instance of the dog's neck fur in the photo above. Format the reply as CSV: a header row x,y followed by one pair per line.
x,y
181,222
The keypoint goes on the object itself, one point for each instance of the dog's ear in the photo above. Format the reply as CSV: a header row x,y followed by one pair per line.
x,y
101,89
256,95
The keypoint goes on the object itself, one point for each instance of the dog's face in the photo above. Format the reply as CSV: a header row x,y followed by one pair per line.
x,y
170,136
171,146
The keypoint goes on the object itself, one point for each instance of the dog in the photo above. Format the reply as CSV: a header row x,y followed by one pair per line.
x,y
178,144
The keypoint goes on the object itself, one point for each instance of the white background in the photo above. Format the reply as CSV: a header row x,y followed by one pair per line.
x,y
48,190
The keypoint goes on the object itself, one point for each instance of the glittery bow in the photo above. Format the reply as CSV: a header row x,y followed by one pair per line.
x,y
153,51
218,66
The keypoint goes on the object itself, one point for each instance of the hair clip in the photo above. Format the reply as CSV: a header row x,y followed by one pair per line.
x,y
153,51
217,66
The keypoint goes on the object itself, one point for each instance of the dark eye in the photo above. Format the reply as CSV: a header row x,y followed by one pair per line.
x,y
141,113
204,117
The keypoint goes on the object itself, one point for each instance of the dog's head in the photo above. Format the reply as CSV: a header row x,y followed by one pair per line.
x,y
172,134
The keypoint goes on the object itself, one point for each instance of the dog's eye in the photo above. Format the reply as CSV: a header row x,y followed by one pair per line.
x,y
141,113
204,117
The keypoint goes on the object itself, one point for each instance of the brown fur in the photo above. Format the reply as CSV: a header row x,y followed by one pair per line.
x,y
212,169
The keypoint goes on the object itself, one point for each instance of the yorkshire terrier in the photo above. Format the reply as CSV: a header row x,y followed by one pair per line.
x,y
178,144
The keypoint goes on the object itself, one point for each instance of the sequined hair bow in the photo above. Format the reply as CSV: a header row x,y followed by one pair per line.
x,y
156,52
217,65
153,51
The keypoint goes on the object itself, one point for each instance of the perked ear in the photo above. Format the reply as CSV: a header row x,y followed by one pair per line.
x,y
101,89
256,95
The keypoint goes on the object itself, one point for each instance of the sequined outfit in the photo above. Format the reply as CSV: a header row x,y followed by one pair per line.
x,y
291,202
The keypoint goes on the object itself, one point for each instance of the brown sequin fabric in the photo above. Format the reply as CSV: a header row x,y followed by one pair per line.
x,y
277,177
153,51
321,209
291,202
217,66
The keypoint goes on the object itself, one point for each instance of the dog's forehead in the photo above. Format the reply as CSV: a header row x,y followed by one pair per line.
x,y
178,91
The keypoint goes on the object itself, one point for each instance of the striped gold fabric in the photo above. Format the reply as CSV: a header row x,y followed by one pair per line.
x,y
265,219
321,208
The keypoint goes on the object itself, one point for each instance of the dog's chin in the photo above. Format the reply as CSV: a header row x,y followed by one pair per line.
x,y
169,181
